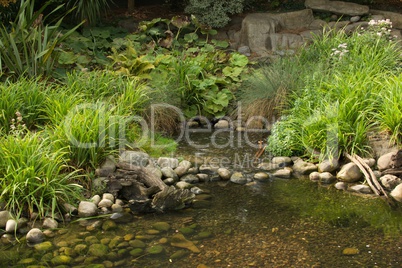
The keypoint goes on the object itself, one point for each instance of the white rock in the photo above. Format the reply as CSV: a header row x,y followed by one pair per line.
x,y
117,208
34,236
340,185
360,188
105,203
108,196
384,162
11,226
238,178
283,173
4,217
314,176
397,193
168,162
349,173
183,185
390,181
328,165
49,223
222,124
96,199
87,209
261,176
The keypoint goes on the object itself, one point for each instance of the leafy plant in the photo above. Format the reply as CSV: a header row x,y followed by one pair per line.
x,y
214,13
29,49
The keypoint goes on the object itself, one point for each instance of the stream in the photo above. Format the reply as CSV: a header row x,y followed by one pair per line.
x,y
279,223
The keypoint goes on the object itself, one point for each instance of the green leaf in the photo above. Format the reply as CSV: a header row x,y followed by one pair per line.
x,y
190,37
220,43
239,60
67,57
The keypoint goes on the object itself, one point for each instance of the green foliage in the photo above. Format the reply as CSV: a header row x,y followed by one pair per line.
x,y
214,13
29,49
89,10
24,96
32,175
390,107
334,111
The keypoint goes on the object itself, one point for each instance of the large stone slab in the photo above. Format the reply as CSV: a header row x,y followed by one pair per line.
x,y
255,29
258,27
337,7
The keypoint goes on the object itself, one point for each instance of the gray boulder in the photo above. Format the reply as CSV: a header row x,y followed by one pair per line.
x,y
390,181
224,173
35,236
328,165
261,176
303,168
361,188
222,124
4,217
337,7
108,167
134,158
349,173
237,177
384,161
340,185
282,161
168,172
284,173
327,178
87,209
190,178
314,176
49,223
183,167
397,193
168,162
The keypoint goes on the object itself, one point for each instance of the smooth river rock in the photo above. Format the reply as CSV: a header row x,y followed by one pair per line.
x,y
349,173
238,178
35,235
87,209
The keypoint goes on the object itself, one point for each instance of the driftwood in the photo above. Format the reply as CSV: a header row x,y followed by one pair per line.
x,y
392,171
145,191
368,174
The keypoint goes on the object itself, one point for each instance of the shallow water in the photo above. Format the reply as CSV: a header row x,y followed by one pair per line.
x,y
279,223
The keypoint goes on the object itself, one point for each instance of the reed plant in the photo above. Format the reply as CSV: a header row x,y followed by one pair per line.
x,y
33,176
26,96
28,46
335,109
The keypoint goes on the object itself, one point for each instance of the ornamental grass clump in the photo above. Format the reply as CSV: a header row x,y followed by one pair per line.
x,y
344,95
33,176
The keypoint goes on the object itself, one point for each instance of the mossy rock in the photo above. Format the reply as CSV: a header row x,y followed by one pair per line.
x,y
115,241
161,226
80,248
203,235
186,230
154,250
136,252
61,260
152,232
44,246
27,261
95,265
109,225
179,254
136,243
98,250
91,239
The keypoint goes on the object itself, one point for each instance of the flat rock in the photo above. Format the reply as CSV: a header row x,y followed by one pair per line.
x,y
337,7
361,188
261,176
283,173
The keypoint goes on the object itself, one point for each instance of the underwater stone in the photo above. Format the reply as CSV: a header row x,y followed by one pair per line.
x,y
155,250
61,259
238,178
136,252
179,254
178,240
109,225
161,226
44,246
98,250
136,243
